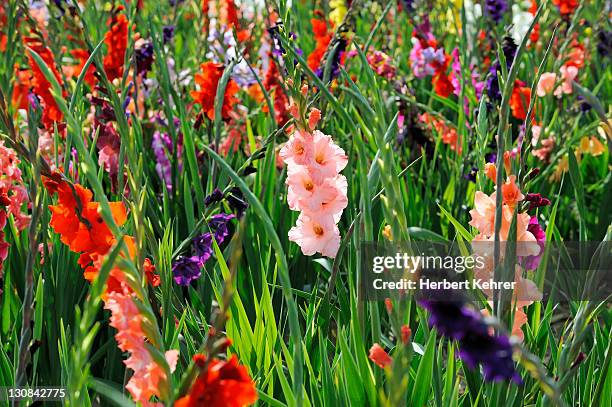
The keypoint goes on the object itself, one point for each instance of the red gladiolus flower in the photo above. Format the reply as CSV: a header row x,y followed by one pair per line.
x,y
116,40
149,269
566,7
442,84
519,100
42,87
222,384
208,81
82,55
379,356
23,84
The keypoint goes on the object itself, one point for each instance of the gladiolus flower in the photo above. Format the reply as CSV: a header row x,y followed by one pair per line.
x,y
379,356
519,101
208,81
568,74
566,7
546,84
221,384
116,40
316,235
491,171
511,193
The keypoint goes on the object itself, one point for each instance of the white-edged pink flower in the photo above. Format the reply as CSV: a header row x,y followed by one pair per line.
x,y
299,150
316,199
320,235
328,159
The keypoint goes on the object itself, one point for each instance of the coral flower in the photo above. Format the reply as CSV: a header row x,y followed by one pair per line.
x,y
511,193
379,356
148,375
222,384
546,84
491,171
316,235
483,214
116,40
208,81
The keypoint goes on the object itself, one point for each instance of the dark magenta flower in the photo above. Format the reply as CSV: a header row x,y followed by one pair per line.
x,y
532,262
215,196
236,201
186,269
536,201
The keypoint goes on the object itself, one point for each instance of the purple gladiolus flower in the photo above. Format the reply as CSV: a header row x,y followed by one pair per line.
x,y
143,53
536,201
203,247
477,346
219,224
496,9
509,48
168,33
186,269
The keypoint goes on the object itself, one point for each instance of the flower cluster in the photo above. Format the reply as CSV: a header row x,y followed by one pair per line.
x,y
530,237
219,383
149,376
381,64
116,40
41,86
208,81
429,59
12,196
316,188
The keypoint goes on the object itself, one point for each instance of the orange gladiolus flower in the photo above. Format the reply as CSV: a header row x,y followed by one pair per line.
x,y
222,384
208,81
116,40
